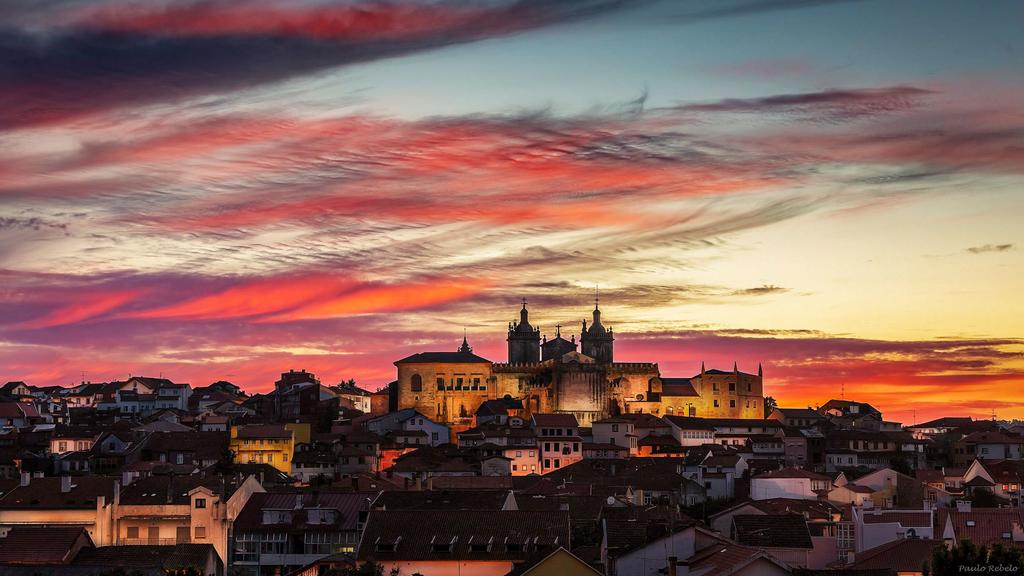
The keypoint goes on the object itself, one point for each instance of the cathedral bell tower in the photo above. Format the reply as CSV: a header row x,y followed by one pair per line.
x,y
596,341
523,340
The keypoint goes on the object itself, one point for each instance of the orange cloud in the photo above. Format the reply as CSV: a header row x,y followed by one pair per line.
x,y
385,298
251,299
83,308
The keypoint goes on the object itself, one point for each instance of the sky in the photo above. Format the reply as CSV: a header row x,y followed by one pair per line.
x,y
214,189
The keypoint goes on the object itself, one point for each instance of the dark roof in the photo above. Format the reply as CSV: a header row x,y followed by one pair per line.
x,y
902,555
263,431
693,423
450,535
173,557
348,505
443,357
160,489
794,473
40,544
799,412
772,531
442,500
624,535
944,422
677,387
559,420
45,494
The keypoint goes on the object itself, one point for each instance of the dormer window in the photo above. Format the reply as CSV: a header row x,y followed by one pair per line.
x,y
442,545
970,524
382,545
480,545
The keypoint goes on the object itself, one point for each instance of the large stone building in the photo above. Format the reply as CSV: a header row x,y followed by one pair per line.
x,y
553,376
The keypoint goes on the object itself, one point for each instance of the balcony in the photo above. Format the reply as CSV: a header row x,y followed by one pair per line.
x,y
152,541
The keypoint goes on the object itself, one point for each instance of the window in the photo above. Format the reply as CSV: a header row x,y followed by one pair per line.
x,y
732,386
200,532
732,403
440,383
716,403
200,502
519,454
615,427
133,532
458,383
417,383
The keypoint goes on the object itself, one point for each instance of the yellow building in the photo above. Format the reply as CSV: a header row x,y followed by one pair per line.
x,y
553,376
272,444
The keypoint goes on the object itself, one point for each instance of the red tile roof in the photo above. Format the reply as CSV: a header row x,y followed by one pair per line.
x,y
921,519
903,555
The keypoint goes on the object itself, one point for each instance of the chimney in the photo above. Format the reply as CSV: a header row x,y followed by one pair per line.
x,y
963,505
672,565
65,484
26,478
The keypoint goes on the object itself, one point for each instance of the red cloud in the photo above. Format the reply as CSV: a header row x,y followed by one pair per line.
x,y
251,299
385,298
82,307
359,22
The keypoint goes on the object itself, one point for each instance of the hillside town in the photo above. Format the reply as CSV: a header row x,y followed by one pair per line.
x,y
558,461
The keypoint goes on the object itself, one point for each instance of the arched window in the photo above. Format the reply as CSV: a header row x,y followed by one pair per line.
x,y
417,383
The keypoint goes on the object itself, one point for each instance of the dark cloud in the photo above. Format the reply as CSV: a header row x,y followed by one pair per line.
x,y
69,72
990,248
825,106
761,290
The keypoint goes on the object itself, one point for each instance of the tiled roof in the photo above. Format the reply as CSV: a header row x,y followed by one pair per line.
x,y
443,358
442,500
793,473
725,557
944,422
809,509
772,531
922,519
167,558
989,523
462,535
157,490
558,420
472,482
348,505
799,413
902,555
677,387
40,545
45,494
255,431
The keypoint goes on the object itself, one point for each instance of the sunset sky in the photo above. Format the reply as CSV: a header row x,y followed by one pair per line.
x,y
226,190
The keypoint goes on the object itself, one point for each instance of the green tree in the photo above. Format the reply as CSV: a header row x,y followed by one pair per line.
x,y
769,405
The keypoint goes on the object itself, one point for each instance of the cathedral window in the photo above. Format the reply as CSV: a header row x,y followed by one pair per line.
x,y
716,403
458,383
732,403
440,383
714,386
417,383
732,386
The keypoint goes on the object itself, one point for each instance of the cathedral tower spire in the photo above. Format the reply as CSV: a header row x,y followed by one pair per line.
x,y
523,339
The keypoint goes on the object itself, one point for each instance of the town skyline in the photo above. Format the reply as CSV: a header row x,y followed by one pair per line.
x,y
220,191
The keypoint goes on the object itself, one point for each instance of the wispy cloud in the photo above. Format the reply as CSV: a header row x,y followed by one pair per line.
x,y
984,248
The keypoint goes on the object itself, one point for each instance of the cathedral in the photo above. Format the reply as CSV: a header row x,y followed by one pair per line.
x,y
564,376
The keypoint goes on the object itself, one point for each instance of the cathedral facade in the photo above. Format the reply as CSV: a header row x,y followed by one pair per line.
x,y
559,376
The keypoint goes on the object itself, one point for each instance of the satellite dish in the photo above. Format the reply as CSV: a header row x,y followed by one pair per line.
x,y
611,500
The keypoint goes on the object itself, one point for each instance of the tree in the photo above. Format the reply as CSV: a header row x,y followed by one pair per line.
x,y
968,557
370,568
326,413
769,405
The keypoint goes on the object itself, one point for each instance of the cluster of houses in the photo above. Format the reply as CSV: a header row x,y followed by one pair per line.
x,y
165,478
